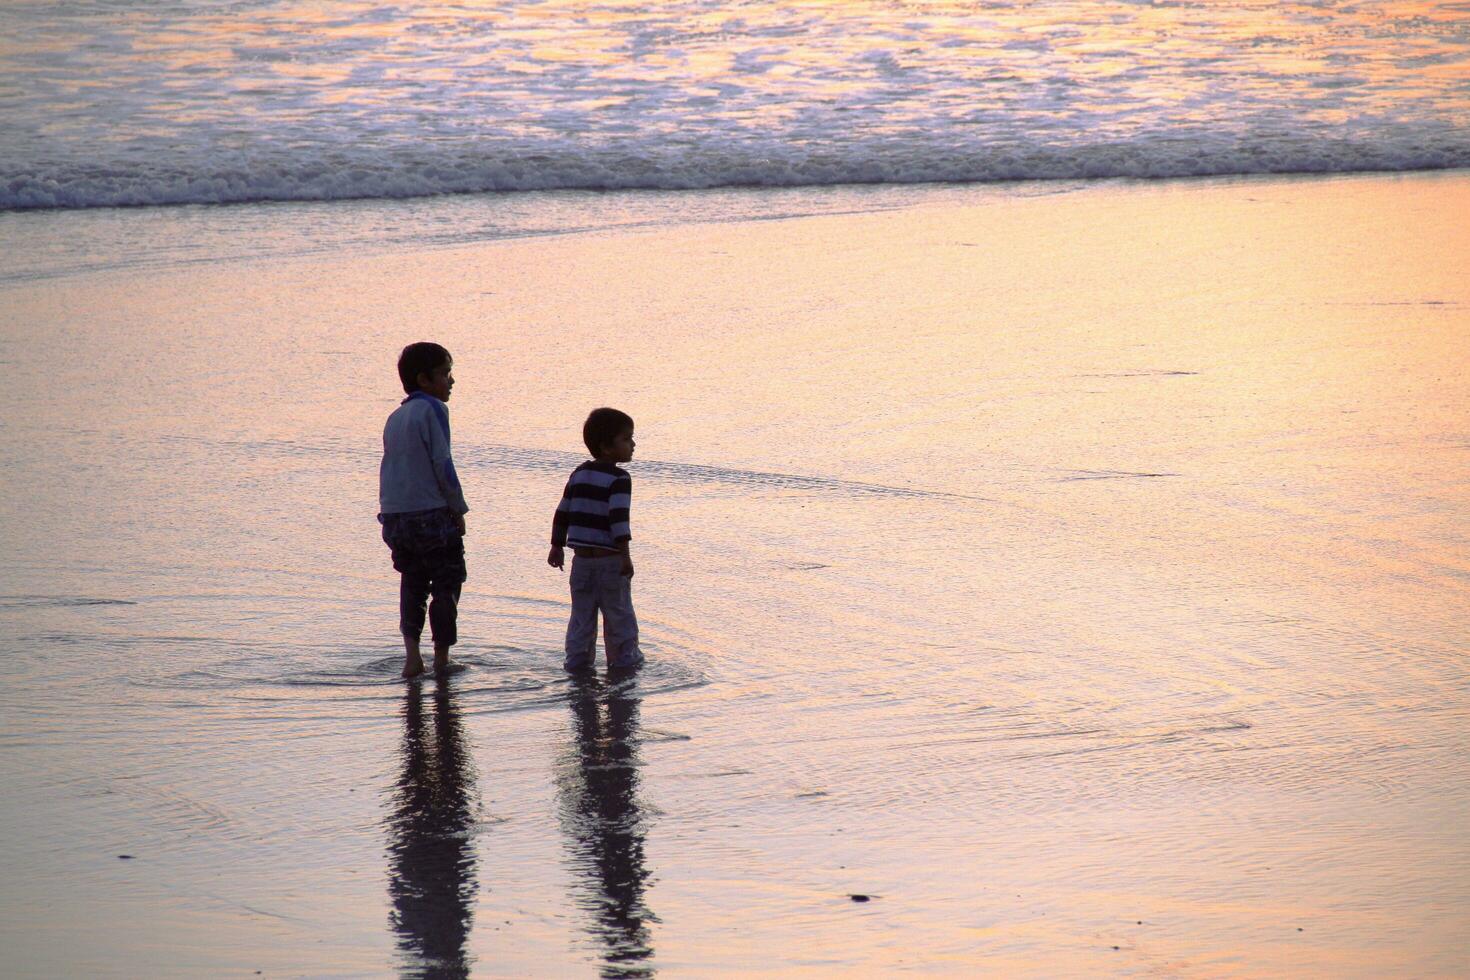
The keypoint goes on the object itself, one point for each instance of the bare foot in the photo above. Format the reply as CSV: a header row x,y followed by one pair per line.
x,y
413,663
441,660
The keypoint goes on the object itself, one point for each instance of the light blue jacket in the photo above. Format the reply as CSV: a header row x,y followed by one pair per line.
x,y
417,472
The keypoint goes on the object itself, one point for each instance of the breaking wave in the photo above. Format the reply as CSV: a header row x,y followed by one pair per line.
x,y
346,174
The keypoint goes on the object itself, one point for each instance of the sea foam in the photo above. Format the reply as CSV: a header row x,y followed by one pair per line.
x,y
366,174
106,105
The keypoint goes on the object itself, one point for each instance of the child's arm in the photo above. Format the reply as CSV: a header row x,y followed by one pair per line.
x,y
444,474
559,522
619,506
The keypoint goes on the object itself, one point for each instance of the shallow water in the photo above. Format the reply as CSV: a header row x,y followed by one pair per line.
x,y
1083,578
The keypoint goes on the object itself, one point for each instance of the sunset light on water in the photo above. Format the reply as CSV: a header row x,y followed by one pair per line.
x,y
310,101
1057,575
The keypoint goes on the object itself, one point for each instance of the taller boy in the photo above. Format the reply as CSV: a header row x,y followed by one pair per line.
x,y
593,518
422,507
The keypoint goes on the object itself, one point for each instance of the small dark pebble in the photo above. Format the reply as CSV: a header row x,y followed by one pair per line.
x,y
861,898
124,857
1140,922
1117,947
1298,928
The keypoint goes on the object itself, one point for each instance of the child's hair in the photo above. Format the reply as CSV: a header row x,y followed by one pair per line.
x,y
603,426
417,359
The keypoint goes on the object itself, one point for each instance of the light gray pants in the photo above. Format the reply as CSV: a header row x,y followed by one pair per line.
x,y
598,584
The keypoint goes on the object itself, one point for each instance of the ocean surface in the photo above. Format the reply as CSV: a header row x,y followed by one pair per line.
x,y
1046,567
105,102
1080,578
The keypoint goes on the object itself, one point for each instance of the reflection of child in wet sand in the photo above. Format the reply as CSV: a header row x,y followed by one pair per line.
x,y
421,505
593,519
432,876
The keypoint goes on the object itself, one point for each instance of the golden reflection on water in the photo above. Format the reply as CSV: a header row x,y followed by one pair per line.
x,y
803,53
1070,571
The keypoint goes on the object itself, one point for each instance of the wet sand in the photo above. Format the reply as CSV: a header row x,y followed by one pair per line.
x,y
1081,576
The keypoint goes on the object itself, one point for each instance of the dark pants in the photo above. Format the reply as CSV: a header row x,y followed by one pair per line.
x,y
428,551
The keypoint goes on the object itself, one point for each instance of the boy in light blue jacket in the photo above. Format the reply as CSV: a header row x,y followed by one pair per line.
x,y
421,505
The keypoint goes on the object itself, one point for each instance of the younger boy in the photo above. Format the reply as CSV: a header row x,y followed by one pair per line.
x,y
421,505
593,519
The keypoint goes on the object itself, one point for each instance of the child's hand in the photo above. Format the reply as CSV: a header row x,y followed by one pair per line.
x,y
557,558
627,566
459,522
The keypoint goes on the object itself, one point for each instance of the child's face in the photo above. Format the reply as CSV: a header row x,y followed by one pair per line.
x,y
439,382
620,450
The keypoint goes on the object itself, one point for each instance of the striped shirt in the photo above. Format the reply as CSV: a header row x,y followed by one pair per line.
x,y
593,512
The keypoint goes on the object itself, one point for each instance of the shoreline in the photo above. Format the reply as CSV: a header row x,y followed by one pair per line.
x,y
757,188
246,232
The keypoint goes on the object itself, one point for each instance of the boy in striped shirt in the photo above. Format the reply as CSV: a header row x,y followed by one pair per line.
x,y
592,519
